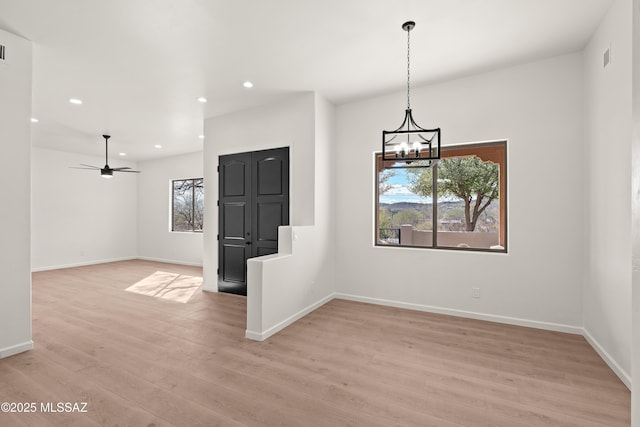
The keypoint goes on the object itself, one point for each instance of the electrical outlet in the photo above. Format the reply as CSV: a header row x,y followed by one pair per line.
x,y
475,292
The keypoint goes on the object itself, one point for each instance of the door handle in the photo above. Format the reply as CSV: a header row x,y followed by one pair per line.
x,y
248,243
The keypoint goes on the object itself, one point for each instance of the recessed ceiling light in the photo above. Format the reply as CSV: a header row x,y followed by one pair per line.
x,y
34,120
201,136
247,84
157,146
202,99
122,154
75,101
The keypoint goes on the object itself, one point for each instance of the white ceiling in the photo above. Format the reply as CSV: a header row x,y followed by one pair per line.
x,y
139,65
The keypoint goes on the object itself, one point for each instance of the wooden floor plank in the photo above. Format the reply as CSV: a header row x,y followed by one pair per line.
x,y
144,361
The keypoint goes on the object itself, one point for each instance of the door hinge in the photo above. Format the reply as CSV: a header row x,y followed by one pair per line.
x,y
218,203
218,237
218,272
218,168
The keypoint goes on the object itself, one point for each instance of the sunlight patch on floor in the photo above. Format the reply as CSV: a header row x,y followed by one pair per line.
x,y
169,286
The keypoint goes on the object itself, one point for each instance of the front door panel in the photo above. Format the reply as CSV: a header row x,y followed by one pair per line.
x,y
270,198
254,202
234,221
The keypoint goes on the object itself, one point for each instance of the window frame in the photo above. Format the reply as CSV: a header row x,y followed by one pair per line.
x,y
193,204
451,149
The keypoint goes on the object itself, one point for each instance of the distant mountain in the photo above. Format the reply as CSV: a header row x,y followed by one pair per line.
x,y
414,205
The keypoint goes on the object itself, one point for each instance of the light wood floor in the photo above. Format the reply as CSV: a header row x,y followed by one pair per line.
x,y
143,361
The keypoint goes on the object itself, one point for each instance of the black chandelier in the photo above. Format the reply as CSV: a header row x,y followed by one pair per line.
x,y
410,146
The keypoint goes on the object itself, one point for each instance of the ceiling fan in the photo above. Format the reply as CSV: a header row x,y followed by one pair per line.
x,y
106,171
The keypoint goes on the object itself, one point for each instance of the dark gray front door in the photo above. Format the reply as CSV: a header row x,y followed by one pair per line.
x,y
254,202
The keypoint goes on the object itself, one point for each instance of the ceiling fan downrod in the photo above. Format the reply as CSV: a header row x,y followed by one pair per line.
x,y
106,150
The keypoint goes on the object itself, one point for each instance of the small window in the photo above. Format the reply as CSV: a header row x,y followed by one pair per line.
x,y
458,204
187,206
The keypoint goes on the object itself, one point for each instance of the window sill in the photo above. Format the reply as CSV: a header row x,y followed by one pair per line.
x,y
442,248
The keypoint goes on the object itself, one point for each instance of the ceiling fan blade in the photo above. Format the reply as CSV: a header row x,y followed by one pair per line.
x,y
105,171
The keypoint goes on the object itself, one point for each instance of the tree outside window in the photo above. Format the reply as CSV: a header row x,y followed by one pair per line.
x,y
187,204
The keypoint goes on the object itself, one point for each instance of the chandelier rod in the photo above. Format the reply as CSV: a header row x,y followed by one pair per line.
x,y
408,28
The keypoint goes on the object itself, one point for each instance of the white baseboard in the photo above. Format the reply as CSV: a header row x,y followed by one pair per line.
x,y
171,261
617,369
557,327
468,314
81,264
106,261
261,336
208,288
15,349
255,336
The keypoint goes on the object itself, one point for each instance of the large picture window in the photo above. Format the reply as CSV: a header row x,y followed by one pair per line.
x,y
458,204
187,204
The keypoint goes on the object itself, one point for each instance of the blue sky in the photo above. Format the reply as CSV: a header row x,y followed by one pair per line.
x,y
399,191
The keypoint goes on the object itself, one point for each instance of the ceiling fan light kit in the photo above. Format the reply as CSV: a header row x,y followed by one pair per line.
x,y
410,145
106,171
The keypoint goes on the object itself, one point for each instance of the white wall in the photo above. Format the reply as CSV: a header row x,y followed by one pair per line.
x,y
635,214
607,292
285,124
156,241
537,107
81,218
284,286
324,206
78,217
304,268
15,215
